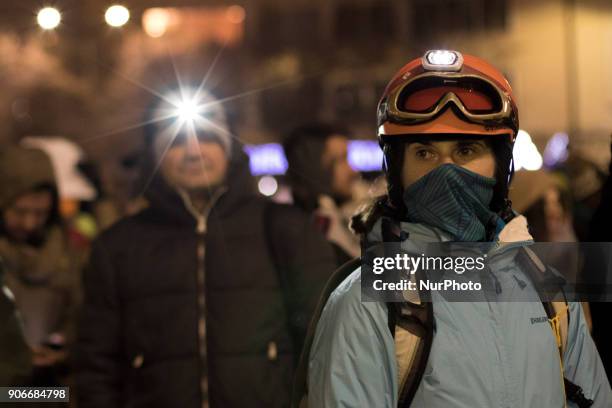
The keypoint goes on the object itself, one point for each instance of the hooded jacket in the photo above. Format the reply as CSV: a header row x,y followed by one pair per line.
x,y
21,170
483,354
43,276
154,293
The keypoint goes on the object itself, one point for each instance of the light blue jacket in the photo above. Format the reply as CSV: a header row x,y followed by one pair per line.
x,y
483,355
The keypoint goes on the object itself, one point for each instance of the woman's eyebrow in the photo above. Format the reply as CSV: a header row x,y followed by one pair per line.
x,y
471,141
422,142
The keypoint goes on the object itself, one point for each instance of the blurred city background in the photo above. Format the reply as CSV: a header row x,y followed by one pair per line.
x,y
79,77
87,72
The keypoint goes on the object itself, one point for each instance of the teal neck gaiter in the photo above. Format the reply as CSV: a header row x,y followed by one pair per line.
x,y
454,200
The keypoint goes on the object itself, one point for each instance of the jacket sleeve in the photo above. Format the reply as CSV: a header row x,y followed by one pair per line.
x,y
352,359
582,364
305,261
97,348
15,355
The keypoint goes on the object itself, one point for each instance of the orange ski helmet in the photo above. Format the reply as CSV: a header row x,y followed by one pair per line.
x,y
447,93
418,98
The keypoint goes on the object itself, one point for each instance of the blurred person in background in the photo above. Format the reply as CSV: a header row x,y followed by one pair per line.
x,y
585,182
544,199
541,197
124,197
600,230
322,182
75,189
42,269
203,298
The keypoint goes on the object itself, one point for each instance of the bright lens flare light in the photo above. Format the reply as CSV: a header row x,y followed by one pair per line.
x,y
187,110
117,15
194,109
48,18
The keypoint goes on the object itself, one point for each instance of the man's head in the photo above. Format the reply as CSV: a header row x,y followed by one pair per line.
x,y
447,108
28,194
318,163
192,163
335,161
25,219
192,144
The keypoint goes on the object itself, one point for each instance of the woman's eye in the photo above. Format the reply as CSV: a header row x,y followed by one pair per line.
x,y
468,150
424,154
465,151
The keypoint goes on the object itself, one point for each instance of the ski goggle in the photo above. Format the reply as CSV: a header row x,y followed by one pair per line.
x,y
479,100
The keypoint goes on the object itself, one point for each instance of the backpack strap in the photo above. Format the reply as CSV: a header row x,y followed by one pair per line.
x,y
546,281
558,315
299,394
411,325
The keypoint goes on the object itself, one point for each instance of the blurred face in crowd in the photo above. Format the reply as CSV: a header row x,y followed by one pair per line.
x,y
422,157
27,216
192,163
335,160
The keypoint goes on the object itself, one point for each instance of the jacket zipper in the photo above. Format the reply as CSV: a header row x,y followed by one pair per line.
x,y
201,252
201,229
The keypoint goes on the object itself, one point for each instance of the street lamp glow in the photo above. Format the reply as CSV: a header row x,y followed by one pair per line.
x,y
235,14
48,18
155,21
267,186
117,15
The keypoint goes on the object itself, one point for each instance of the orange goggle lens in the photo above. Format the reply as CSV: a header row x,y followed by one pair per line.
x,y
423,95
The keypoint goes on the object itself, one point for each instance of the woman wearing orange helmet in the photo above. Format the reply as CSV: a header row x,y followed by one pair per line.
x,y
447,124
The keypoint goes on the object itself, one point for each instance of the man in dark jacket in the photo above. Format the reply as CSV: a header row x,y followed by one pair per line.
x,y
203,298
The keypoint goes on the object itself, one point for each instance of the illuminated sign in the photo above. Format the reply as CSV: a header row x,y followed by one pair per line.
x,y
365,155
269,159
556,149
266,159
